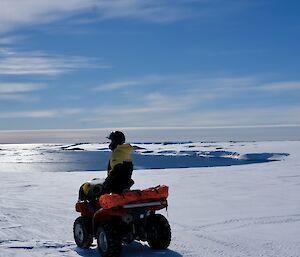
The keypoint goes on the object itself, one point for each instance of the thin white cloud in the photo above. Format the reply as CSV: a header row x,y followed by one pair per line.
x,y
181,100
145,111
124,84
39,63
28,114
18,98
5,51
282,86
176,101
52,113
171,103
12,88
163,11
15,14
204,87
273,115
128,112
115,86
19,92
8,40
199,118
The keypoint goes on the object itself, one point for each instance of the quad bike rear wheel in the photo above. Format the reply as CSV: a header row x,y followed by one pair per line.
x,y
82,232
108,241
158,231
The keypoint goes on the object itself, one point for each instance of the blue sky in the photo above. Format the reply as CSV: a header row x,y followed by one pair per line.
x,y
78,64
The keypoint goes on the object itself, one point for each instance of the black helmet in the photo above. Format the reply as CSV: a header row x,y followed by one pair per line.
x,y
117,137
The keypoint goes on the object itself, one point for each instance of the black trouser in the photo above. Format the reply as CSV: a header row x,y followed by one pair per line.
x,y
119,178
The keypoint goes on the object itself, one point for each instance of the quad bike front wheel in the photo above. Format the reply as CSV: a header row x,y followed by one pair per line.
x,y
158,232
108,241
82,232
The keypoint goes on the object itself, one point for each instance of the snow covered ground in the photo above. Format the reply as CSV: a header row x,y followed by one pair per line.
x,y
238,199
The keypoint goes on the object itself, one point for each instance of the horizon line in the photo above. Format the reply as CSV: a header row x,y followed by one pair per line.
x,y
154,128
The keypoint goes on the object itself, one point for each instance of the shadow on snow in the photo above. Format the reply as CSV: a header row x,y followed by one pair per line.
x,y
134,249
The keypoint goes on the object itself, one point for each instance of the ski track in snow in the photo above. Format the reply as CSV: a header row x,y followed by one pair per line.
x,y
210,245
246,222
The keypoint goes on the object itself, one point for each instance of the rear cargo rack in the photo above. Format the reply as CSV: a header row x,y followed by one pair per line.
x,y
138,205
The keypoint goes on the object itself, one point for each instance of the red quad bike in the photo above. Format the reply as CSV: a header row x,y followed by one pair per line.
x,y
117,223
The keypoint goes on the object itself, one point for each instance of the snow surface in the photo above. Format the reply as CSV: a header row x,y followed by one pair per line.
x,y
250,209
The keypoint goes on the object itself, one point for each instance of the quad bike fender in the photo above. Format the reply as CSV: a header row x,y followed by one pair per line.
x,y
86,209
105,215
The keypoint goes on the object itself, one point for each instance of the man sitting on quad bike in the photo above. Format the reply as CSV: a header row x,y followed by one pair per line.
x,y
119,170
120,166
124,216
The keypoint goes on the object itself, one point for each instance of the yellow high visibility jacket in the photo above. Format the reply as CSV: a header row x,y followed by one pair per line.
x,y
120,154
